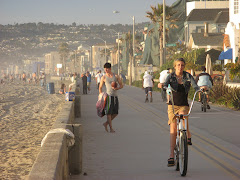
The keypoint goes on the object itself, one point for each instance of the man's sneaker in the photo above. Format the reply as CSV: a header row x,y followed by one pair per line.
x,y
151,99
208,107
146,100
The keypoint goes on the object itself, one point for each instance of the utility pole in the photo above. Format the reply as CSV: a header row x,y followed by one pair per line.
x,y
90,57
105,51
118,57
133,63
164,33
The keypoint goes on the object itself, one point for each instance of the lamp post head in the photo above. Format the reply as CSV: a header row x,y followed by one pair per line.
x,y
116,12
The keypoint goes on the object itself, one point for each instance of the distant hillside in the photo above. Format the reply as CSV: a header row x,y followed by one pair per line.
x,y
29,40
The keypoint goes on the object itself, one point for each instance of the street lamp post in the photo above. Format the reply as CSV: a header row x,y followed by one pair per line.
x,y
118,60
132,59
90,57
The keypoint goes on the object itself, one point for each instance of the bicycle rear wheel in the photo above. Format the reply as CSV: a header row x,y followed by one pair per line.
x,y
176,156
183,153
204,102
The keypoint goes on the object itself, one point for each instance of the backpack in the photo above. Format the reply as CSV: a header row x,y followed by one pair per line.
x,y
101,103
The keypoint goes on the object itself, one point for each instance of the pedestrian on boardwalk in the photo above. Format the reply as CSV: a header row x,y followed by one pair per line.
x,y
84,81
180,82
112,105
89,79
147,84
162,79
74,81
98,78
123,78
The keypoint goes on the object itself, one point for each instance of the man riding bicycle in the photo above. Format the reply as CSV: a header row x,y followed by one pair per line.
x,y
205,82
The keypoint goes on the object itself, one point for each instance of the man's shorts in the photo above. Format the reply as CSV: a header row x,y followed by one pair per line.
x,y
207,90
148,89
171,116
88,84
111,105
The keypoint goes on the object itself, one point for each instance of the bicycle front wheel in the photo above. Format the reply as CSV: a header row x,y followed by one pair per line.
x,y
183,153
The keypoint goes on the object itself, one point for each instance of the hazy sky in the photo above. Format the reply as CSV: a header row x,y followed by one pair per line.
x,y
79,11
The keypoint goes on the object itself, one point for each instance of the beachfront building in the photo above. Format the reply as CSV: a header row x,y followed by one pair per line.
x,y
51,61
98,56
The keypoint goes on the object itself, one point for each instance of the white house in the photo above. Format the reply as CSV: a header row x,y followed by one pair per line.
x,y
233,29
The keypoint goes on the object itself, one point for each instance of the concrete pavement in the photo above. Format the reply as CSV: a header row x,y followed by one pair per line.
x,y
140,147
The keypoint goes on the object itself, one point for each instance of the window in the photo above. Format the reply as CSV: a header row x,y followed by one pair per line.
x,y
200,29
236,6
222,30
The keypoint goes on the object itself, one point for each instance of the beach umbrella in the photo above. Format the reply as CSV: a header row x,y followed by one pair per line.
x,y
209,65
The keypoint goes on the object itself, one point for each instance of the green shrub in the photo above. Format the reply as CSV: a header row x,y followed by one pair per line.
x,y
156,75
217,67
234,69
224,95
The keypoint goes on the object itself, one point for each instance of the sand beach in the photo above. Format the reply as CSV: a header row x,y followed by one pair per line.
x,y
27,113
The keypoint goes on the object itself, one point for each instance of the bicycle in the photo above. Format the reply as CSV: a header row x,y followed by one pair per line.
x,y
181,147
204,100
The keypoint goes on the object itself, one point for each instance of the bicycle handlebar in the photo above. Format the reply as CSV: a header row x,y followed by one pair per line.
x,y
171,90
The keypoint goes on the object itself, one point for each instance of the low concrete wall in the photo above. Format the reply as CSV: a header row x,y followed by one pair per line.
x,y
56,160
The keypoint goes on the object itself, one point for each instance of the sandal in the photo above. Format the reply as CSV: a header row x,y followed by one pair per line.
x,y
171,162
189,141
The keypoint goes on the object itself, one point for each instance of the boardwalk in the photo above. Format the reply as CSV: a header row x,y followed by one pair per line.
x,y
140,147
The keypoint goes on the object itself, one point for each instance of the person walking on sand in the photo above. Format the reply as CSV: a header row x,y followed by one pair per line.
x,y
43,79
112,105
147,84
34,77
24,78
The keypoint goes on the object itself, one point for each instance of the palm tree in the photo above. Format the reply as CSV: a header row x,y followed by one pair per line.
x,y
63,51
156,17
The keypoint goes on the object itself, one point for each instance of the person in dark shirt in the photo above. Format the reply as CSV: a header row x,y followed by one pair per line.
x,y
180,82
84,81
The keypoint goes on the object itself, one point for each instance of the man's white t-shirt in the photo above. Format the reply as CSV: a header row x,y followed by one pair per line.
x,y
163,76
98,76
147,81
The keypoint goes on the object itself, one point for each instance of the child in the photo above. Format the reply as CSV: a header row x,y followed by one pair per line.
x,y
62,89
